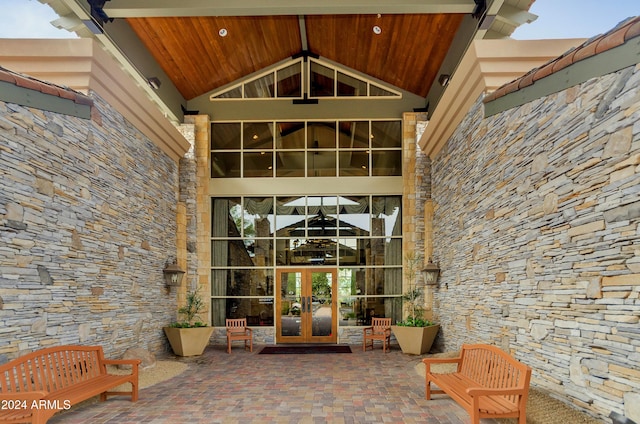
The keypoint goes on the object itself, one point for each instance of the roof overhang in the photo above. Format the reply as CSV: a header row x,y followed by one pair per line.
x,y
187,8
117,26
82,65
487,65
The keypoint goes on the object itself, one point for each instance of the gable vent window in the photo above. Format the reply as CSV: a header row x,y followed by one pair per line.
x,y
295,78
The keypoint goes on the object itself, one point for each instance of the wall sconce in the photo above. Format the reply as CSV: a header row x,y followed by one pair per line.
x,y
431,273
172,274
154,82
443,79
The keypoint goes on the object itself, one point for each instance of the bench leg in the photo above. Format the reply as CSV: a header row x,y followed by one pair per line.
x,y
475,417
134,392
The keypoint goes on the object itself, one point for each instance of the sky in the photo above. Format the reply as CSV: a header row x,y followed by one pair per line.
x,y
575,18
556,19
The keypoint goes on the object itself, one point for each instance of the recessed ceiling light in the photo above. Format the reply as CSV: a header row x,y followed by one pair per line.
x,y
222,32
377,30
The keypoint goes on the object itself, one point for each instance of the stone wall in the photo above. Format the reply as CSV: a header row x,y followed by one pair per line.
x,y
87,222
537,232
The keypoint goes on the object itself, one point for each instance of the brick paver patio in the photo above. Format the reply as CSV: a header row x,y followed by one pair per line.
x,y
244,387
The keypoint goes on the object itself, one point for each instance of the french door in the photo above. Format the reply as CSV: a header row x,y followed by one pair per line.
x,y
306,305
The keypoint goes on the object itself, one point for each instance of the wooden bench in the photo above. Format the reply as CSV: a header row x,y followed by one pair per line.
x,y
35,386
488,383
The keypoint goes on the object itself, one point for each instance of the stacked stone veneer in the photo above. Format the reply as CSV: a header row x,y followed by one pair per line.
x,y
87,222
537,232
416,186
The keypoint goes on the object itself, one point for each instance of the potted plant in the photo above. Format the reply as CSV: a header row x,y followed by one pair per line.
x,y
415,334
191,336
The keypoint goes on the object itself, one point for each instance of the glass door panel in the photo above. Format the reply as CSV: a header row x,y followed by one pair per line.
x,y
322,303
290,306
306,306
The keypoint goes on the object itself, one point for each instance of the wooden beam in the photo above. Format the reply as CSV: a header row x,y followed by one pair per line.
x,y
184,8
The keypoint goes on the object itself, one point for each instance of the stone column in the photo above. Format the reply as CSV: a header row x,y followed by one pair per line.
x,y
416,182
198,210
428,254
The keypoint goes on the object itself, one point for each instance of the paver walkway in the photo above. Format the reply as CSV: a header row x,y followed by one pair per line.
x,y
244,387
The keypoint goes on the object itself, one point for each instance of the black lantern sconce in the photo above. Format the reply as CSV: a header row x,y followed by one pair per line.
x,y
172,274
431,273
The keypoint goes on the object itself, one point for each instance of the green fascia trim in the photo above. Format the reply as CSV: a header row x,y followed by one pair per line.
x,y
11,93
601,64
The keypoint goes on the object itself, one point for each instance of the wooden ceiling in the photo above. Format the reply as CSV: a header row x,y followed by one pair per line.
x,y
198,59
180,40
407,53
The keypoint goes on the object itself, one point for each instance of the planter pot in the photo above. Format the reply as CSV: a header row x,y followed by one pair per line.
x,y
415,340
188,341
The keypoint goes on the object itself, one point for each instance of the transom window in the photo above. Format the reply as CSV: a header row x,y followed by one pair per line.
x,y
306,149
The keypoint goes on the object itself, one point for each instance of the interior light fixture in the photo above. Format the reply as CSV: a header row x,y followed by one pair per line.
x,y
154,82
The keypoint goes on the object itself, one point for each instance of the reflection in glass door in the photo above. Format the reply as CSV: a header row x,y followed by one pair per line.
x,y
305,305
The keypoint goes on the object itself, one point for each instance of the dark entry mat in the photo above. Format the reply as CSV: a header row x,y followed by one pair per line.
x,y
305,349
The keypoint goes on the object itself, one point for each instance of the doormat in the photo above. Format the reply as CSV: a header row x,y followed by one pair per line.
x,y
305,349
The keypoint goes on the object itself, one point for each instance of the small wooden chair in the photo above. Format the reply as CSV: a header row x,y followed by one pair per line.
x,y
237,330
380,329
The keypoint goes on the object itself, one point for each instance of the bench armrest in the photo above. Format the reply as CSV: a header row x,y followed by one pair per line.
x,y
28,396
122,361
133,362
240,330
429,361
441,360
481,391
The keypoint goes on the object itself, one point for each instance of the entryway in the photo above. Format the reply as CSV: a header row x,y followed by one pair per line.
x,y
306,305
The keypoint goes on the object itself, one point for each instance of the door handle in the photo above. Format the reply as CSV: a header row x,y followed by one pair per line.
x,y
308,303
304,303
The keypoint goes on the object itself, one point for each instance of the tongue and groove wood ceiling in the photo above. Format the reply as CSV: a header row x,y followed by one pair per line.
x,y
407,53
203,45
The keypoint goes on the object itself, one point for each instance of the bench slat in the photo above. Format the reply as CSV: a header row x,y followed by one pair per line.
x,y
488,404
87,389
